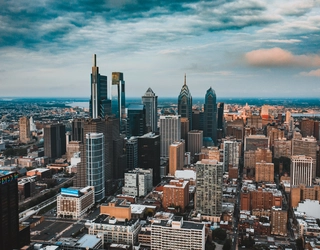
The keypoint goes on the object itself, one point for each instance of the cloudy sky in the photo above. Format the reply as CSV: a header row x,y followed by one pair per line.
x,y
241,48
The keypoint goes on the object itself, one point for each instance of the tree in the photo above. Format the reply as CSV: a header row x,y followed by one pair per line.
x,y
219,234
227,245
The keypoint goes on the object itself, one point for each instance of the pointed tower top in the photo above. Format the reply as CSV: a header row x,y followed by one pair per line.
x,y
185,79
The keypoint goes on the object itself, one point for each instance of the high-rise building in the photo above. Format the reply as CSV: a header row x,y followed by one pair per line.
x,y
208,199
185,129
220,124
149,154
253,142
264,172
136,120
95,156
307,127
279,221
176,156
24,129
100,105
282,148
9,215
150,101
118,97
210,115
231,154
301,170
170,131
195,141
132,153
54,140
185,102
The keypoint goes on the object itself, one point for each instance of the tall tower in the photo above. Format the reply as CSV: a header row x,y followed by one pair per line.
x,y
96,164
195,141
210,115
9,219
176,156
150,101
209,187
136,120
24,129
170,131
100,105
185,102
301,170
118,97
54,140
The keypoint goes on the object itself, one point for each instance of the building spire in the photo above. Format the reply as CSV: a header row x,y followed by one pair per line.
x,y
185,79
94,60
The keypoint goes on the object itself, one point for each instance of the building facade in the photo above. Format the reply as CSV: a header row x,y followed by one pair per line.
x,y
301,170
210,115
209,187
170,131
54,140
176,195
185,102
136,120
176,156
24,129
138,182
195,141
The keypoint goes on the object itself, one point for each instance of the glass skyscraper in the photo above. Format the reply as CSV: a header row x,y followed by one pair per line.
x,y
118,98
210,115
185,103
150,101
96,163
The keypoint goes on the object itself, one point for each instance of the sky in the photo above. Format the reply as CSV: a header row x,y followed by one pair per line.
x,y
241,48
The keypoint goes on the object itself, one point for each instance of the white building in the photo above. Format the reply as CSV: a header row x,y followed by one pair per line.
x,y
96,163
138,182
231,154
74,202
170,131
301,170
310,208
177,234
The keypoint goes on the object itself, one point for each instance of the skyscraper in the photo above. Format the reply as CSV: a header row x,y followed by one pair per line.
x,y
170,131
54,140
95,155
24,129
150,101
9,216
210,115
136,120
195,141
185,102
176,156
231,154
100,105
209,187
118,97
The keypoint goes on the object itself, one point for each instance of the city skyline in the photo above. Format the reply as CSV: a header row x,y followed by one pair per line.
x,y
239,48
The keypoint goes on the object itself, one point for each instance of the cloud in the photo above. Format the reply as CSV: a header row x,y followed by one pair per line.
x,y
278,57
311,73
284,41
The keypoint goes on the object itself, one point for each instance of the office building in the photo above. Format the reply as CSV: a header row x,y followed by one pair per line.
x,y
301,170
307,127
208,199
303,192
99,105
150,101
253,142
54,140
279,221
149,154
210,115
136,120
132,153
231,154
282,148
220,123
177,234
170,131
235,128
264,172
9,219
274,134
75,202
185,129
195,141
118,98
95,156
176,195
73,147
305,146
254,121
138,182
185,102
176,156
24,129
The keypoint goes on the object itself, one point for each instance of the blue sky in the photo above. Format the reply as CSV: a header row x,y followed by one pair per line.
x,y
241,48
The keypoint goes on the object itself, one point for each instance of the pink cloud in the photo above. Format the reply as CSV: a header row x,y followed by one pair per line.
x,y
311,73
278,57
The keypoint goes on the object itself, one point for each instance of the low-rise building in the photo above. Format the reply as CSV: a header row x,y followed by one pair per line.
x,y
74,202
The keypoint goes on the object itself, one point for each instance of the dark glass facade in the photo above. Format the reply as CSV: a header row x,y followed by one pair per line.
x,y
210,115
